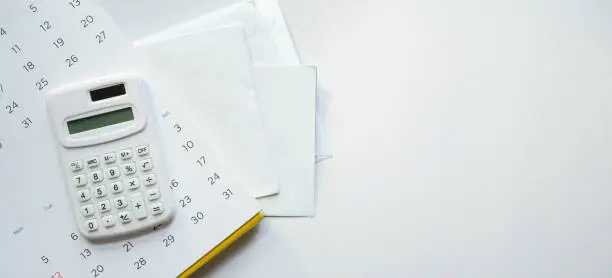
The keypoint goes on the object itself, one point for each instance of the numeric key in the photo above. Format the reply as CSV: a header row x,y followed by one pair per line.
x,y
120,202
87,210
104,206
100,191
96,176
84,195
79,180
116,187
91,225
112,172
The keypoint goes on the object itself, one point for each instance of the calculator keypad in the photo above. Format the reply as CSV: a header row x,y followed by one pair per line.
x,y
116,187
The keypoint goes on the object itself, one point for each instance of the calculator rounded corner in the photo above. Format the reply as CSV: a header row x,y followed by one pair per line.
x,y
165,219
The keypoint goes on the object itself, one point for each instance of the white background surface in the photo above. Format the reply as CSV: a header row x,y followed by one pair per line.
x,y
471,139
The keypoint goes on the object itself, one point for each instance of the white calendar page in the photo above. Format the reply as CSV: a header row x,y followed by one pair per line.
x,y
44,44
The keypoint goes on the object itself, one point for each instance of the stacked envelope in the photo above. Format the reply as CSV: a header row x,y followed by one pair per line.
x,y
235,71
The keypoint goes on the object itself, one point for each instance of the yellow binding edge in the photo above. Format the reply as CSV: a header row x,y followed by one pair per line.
x,y
249,225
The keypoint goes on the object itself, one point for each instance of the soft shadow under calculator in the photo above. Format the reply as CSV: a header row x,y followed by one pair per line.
x,y
111,157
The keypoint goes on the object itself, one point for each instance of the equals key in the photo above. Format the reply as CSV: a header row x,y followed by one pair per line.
x,y
157,208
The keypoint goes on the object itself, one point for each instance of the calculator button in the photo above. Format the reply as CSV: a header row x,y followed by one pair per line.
x,y
79,180
142,150
91,225
157,208
133,183
129,169
87,210
110,158
84,195
125,154
96,176
76,166
108,221
149,179
153,194
138,206
100,191
145,165
104,206
112,172
93,162
116,187
125,217
120,202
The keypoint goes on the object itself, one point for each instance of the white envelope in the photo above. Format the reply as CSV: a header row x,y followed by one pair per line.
x,y
269,42
212,75
286,96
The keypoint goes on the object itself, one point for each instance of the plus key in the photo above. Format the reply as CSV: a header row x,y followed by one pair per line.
x,y
138,206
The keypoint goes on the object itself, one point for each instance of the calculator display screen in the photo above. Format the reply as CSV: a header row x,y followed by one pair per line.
x,y
100,120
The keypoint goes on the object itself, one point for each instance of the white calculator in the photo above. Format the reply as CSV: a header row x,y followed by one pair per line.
x,y
110,152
